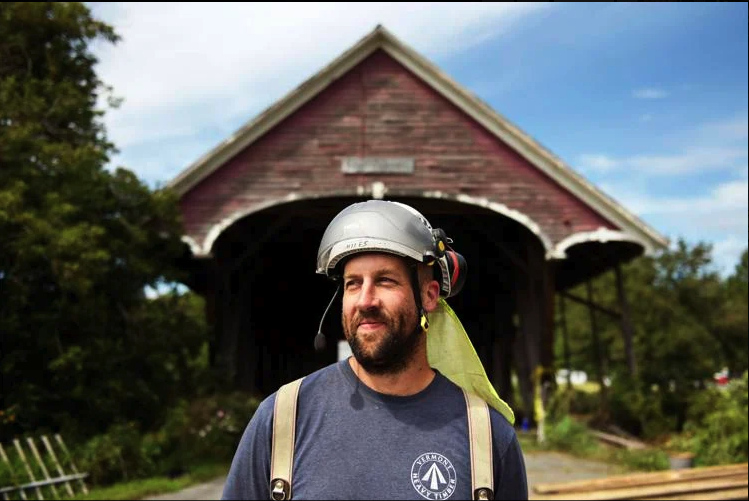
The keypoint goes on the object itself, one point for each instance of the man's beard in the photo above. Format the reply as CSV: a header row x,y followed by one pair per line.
x,y
395,348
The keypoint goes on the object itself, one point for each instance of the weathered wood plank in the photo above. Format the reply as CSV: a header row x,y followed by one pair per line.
x,y
620,441
739,493
668,489
651,478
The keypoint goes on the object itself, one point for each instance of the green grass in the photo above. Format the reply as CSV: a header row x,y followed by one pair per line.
x,y
138,489
573,438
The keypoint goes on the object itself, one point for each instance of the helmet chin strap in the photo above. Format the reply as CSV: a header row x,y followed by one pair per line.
x,y
423,320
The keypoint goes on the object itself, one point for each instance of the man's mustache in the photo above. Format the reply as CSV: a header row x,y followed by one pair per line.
x,y
372,317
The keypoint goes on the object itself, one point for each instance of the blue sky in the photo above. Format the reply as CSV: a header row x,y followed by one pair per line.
x,y
647,101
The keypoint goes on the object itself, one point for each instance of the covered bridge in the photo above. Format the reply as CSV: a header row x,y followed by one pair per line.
x,y
381,121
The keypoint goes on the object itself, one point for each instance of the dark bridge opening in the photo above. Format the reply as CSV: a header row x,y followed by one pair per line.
x,y
268,301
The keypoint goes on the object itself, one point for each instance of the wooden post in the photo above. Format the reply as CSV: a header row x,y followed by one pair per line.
x,y
10,468
225,326
43,467
565,339
627,330
51,452
597,348
526,343
30,473
546,337
58,438
503,343
212,311
246,344
231,325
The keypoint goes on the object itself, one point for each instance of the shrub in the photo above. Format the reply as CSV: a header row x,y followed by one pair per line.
x,y
643,459
639,409
115,455
13,473
207,427
568,435
572,401
716,431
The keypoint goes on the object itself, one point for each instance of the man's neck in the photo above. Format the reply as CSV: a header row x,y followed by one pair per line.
x,y
410,381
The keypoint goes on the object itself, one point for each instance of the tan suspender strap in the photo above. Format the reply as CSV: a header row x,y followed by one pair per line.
x,y
282,445
480,435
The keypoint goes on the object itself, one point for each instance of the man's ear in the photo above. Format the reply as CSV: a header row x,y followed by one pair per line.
x,y
430,295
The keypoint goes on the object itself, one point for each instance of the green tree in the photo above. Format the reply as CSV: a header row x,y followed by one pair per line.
x,y
688,322
732,323
80,340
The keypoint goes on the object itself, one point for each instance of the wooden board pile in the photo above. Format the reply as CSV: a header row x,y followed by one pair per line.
x,y
711,482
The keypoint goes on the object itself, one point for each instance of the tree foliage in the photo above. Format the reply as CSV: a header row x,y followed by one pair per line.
x,y
689,323
81,344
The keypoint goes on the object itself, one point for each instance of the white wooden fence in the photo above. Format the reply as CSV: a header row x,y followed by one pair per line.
x,y
25,482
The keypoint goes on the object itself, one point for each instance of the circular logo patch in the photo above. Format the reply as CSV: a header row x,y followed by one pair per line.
x,y
433,476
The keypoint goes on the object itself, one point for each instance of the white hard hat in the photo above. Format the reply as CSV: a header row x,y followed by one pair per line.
x,y
391,227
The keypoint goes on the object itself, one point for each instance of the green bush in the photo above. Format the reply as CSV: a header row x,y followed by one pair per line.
x,y
643,459
216,423
567,401
716,431
568,435
207,427
115,455
639,409
584,402
13,473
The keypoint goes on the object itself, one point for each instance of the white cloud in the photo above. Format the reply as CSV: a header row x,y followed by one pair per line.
x,y
722,211
691,161
719,217
732,196
597,163
710,146
184,68
726,253
649,93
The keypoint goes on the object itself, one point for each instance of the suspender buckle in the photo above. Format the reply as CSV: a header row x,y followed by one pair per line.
x,y
280,489
483,494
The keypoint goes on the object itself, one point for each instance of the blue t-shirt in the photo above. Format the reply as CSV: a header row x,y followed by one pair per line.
x,y
355,443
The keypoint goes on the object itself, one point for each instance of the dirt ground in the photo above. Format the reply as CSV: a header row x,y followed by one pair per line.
x,y
541,467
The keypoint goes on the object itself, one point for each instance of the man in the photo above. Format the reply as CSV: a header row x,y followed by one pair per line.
x,y
387,423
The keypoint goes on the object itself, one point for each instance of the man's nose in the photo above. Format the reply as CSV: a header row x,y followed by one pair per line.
x,y
367,297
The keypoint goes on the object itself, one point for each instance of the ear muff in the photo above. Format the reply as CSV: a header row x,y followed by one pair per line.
x,y
440,242
457,268
453,267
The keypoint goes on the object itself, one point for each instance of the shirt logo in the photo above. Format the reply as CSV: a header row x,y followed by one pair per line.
x,y
433,476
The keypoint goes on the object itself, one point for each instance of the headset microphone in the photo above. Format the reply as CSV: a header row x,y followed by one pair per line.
x,y
320,337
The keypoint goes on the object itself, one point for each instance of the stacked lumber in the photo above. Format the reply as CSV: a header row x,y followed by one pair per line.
x,y
627,443
711,482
